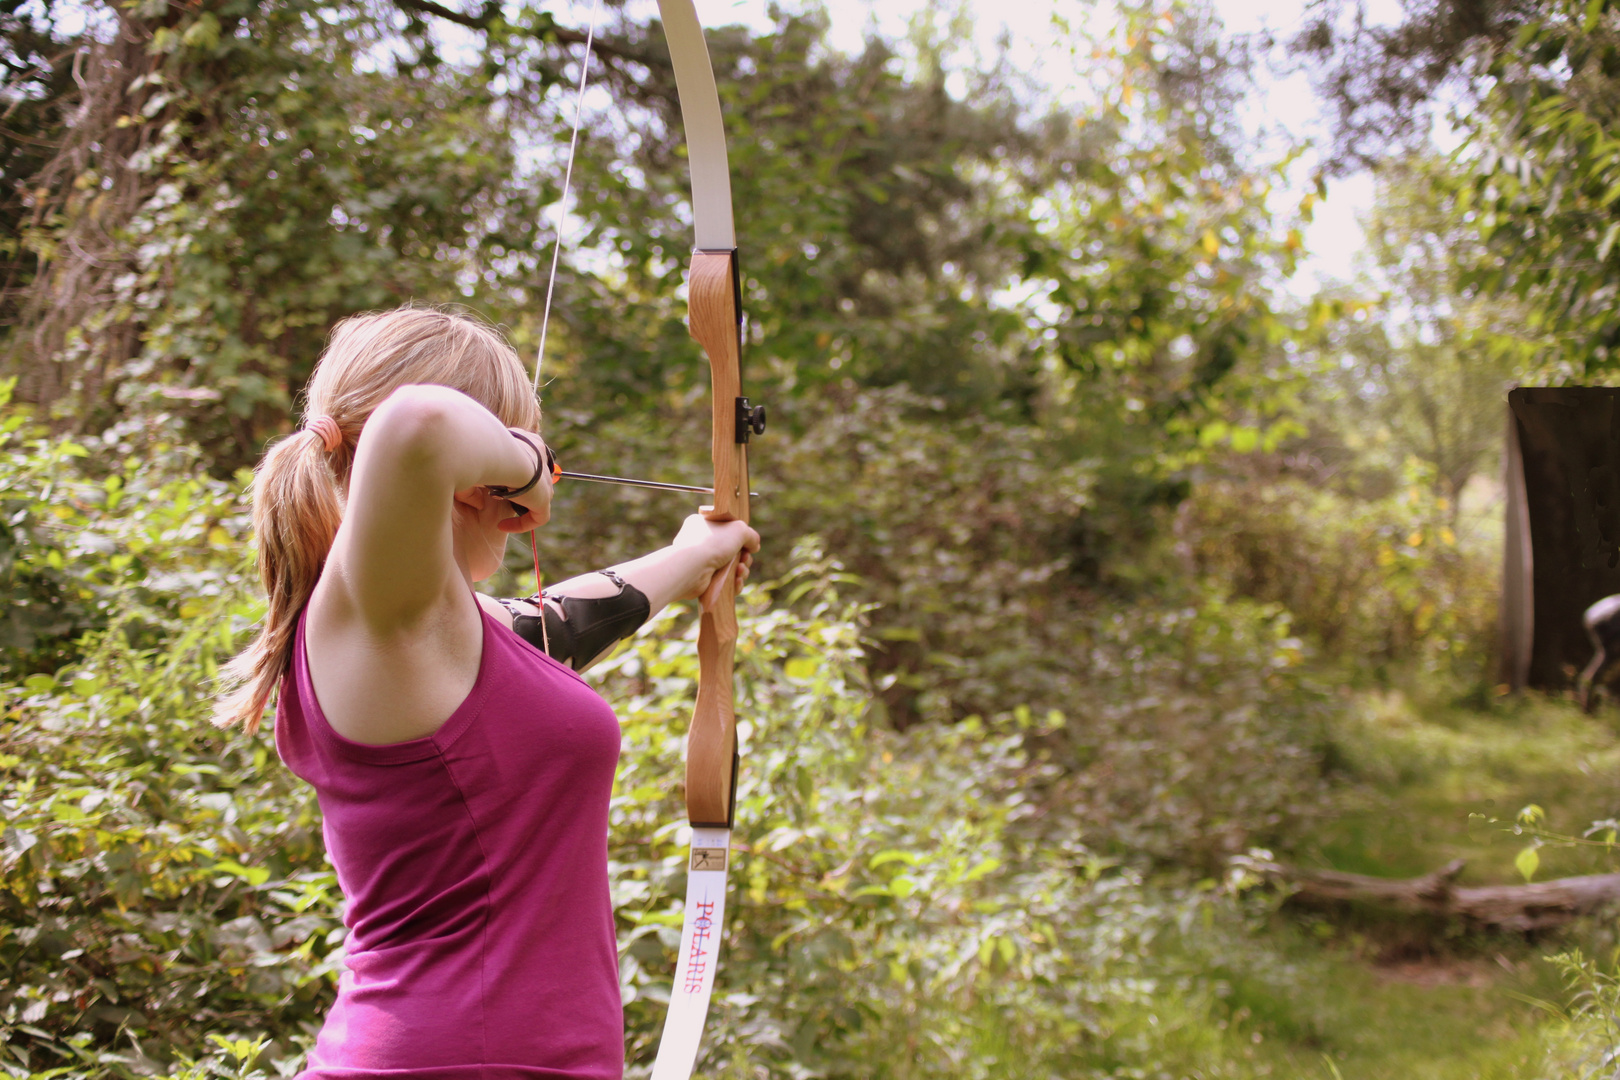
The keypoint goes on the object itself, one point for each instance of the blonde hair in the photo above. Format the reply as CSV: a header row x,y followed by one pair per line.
x,y
299,487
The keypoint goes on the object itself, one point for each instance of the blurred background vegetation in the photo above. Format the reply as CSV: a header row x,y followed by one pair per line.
x,y
1097,555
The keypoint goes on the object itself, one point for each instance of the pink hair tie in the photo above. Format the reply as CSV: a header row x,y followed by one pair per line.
x,y
327,428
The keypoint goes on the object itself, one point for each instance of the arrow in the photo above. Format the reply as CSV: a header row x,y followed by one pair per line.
x,y
628,482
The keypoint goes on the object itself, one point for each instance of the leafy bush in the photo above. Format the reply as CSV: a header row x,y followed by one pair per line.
x,y
123,529
1585,1043
150,866
1375,581
166,906
980,942
1192,729
1193,732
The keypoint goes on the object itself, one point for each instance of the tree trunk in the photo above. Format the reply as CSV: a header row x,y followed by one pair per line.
x,y
1542,905
82,201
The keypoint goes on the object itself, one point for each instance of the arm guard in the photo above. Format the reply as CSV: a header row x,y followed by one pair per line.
x,y
576,630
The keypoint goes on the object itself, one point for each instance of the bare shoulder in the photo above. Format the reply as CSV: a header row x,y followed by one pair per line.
x,y
399,685
495,609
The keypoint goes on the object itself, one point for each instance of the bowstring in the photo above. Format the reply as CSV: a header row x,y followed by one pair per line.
x,y
568,177
556,254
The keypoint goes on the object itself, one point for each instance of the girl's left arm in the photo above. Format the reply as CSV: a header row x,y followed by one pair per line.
x,y
582,632
680,571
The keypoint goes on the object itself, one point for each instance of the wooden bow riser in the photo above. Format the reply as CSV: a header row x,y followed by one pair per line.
x,y
714,321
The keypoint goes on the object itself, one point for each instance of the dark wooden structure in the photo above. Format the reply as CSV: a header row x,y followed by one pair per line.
x,y
1562,540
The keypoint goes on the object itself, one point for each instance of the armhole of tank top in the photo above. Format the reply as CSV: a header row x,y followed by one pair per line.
x,y
398,753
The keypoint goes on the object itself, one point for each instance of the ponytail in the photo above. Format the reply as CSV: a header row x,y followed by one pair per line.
x,y
296,513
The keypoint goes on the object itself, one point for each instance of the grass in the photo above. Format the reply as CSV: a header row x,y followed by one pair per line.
x,y
1429,782
1324,1008
1370,996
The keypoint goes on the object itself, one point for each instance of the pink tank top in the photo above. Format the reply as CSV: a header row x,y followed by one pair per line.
x,y
474,863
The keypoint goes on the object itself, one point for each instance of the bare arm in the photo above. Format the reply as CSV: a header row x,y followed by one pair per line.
x,y
393,641
683,570
680,571
393,560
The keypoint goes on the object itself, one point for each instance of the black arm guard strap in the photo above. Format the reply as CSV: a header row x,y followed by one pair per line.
x,y
576,630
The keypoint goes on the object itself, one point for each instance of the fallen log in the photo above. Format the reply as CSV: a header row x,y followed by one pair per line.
x,y
1540,905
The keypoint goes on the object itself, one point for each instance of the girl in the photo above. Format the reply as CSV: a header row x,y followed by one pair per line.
x,y
463,774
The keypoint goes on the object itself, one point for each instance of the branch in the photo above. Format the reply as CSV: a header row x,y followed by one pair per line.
x,y
491,11
480,21
1541,905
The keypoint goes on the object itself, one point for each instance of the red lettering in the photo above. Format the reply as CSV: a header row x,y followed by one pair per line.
x,y
696,956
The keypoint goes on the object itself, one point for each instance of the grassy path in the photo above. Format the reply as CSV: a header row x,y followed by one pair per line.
x,y
1370,997
1421,771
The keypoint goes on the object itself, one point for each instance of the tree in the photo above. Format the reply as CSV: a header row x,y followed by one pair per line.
x,y
1423,367
1538,86
1383,82
235,177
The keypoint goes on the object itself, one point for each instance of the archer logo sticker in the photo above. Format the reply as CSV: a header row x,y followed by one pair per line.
x,y
708,858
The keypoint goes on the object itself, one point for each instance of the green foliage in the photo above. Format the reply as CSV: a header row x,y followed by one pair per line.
x,y
164,883
1195,730
1584,1043
852,932
1545,179
1416,363
304,177
160,881
1155,259
1379,584
1191,728
1375,522
98,534
1531,86
970,585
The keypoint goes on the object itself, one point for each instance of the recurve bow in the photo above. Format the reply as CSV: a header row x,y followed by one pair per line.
x,y
715,320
